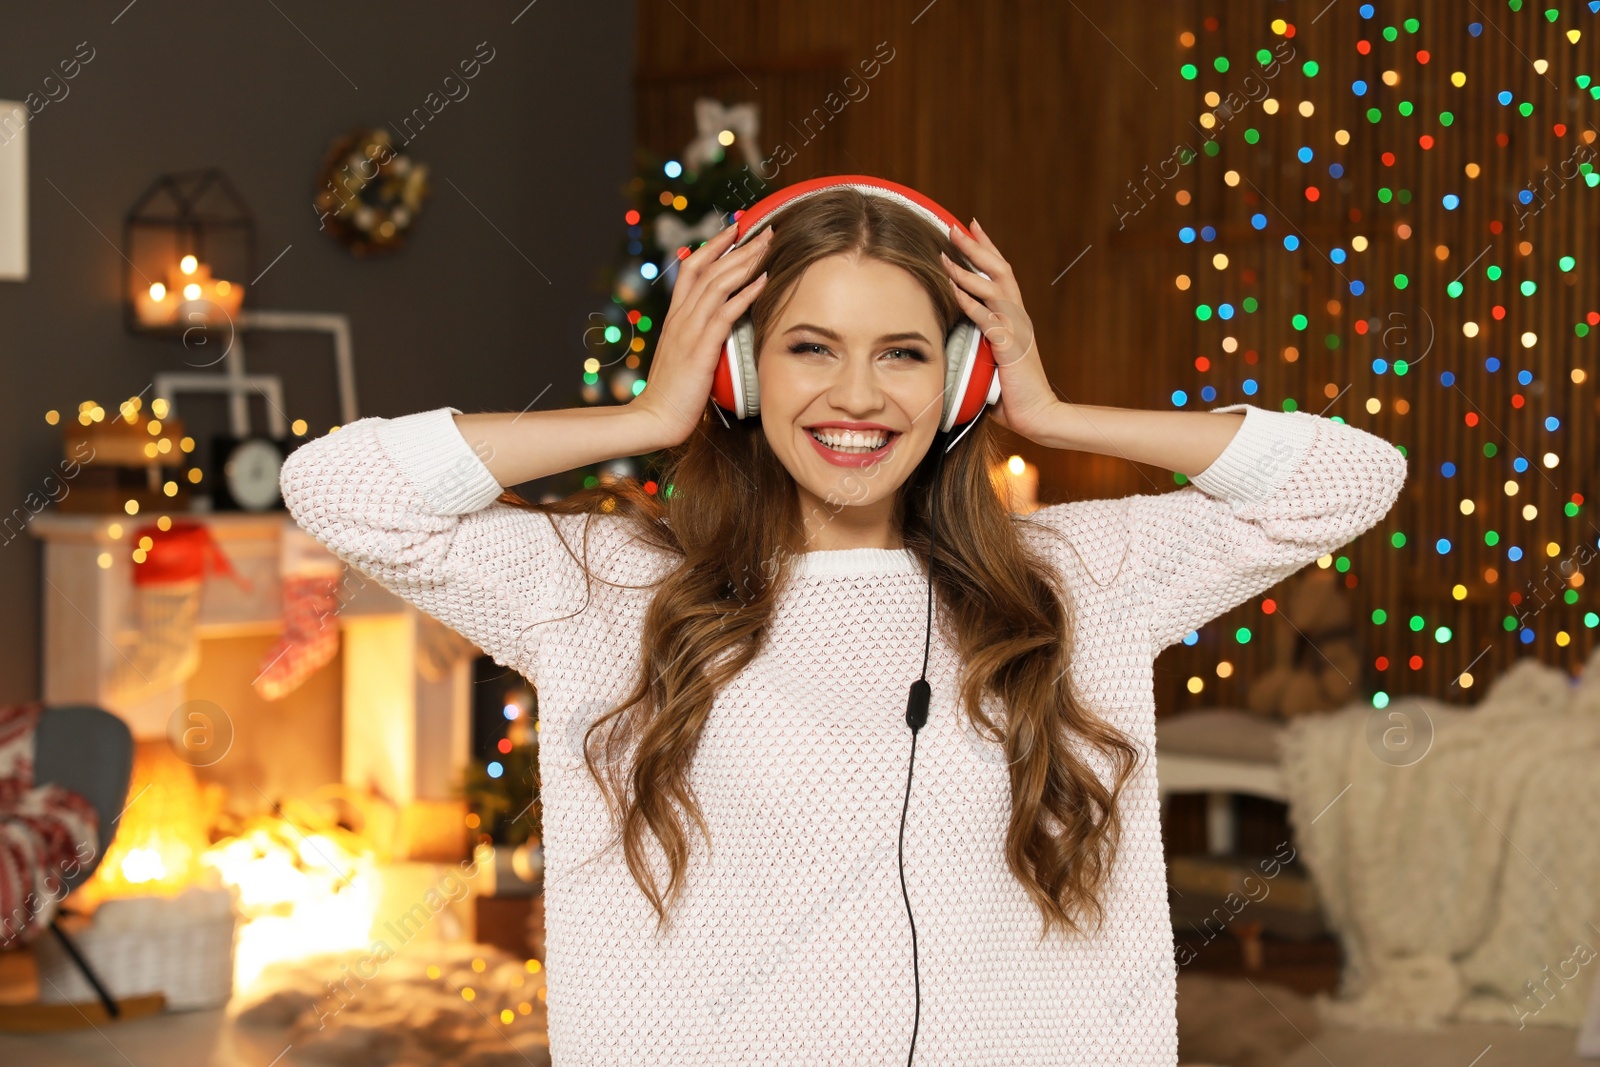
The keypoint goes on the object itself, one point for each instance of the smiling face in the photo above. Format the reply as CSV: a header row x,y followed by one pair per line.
x,y
851,374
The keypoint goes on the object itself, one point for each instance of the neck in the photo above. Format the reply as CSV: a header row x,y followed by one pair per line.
x,y
834,526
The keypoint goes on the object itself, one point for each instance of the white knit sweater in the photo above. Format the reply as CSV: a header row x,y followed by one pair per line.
x,y
790,944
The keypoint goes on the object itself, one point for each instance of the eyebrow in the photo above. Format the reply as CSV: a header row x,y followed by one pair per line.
x,y
830,335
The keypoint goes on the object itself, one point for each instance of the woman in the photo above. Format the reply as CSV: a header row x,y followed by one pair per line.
x,y
736,820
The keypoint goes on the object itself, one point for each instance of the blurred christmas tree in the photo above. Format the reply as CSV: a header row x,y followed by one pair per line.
x,y
502,791
675,206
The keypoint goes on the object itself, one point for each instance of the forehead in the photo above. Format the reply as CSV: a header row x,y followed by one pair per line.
x,y
855,294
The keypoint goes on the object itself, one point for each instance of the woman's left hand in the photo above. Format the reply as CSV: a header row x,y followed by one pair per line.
x,y
995,304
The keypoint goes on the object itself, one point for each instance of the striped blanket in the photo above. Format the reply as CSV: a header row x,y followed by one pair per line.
x,y
45,832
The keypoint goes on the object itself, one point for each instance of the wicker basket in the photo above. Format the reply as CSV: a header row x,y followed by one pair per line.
x,y
192,964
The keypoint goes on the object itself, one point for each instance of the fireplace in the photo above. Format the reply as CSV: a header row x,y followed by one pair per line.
x,y
314,809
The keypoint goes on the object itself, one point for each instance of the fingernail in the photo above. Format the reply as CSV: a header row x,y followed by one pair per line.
x,y
975,225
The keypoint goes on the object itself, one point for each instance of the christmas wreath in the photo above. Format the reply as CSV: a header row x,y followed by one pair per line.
x,y
369,192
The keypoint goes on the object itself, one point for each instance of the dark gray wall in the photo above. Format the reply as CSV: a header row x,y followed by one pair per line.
x,y
483,309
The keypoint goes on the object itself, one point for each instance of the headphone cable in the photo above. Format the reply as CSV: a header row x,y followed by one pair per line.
x,y
916,717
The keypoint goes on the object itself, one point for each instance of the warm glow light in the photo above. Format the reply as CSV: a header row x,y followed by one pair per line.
x,y
191,291
188,264
1307,108
1183,283
1341,136
1196,683
1459,592
1220,261
142,865
1270,106
1551,459
1473,170
1578,376
1529,339
158,292
1016,465
1511,488
1468,507
1465,680
1324,562
1224,669
1374,405
1231,177
1530,512
1358,243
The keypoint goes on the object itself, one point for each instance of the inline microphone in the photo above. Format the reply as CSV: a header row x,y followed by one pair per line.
x,y
917,704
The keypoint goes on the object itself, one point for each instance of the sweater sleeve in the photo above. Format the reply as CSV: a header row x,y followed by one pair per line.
x,y
1289,488
407,502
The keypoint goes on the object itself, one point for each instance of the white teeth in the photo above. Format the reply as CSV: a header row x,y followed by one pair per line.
x,y
851,441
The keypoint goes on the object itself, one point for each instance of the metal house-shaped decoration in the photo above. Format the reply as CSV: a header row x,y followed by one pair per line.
x,y
190,245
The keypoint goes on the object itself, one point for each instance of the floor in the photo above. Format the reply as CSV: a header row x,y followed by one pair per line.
x,y
1460,1046
177,1039
199,1039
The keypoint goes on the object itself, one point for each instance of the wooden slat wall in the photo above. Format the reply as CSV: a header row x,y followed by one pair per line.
x,y
1042,118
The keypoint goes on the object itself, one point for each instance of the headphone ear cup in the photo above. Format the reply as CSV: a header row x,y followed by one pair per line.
x,y
733,385
960,355
743,341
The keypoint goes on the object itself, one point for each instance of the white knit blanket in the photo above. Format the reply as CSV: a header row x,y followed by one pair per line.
x,y
1465,885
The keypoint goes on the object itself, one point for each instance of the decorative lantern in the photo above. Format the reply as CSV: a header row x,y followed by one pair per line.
x,y
190,249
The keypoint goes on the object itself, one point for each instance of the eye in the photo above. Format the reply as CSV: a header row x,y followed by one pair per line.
x,y
806,347
914,355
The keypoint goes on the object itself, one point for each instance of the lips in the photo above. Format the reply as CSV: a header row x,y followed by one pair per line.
x,y
852,446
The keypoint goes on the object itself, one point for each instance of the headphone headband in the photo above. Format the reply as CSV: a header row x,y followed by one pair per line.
x,y
970,377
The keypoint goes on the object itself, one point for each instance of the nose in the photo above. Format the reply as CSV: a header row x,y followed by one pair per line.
x,y
855,388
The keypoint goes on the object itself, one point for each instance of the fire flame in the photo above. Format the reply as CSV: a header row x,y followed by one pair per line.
x,y
302,884
303,887
164,829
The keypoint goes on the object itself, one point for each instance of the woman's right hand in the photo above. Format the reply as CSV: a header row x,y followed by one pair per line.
x,y
706,301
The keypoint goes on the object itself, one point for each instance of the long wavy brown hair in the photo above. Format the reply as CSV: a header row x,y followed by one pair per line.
x,y
733,516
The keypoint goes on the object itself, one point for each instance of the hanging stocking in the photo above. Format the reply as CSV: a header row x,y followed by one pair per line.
x,y
167,589
310,601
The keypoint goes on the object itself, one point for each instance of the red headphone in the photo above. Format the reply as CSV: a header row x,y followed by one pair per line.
x,y
970,379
